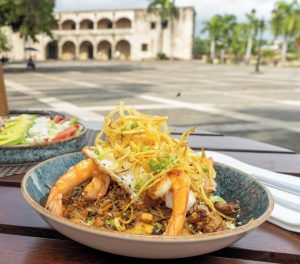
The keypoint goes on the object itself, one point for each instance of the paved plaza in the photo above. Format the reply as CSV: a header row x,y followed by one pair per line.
x,y
222,98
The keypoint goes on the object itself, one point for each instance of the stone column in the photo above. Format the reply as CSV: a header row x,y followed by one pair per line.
x,y
113,48
77,50
77,25
60,53
95,50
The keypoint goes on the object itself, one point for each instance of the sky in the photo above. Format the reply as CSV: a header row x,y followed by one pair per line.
x,y
204,8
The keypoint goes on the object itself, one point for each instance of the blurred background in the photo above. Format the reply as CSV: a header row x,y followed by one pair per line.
x,y
224,66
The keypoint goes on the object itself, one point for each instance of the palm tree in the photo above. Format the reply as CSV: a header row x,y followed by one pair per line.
x,y
213,27
228,23
166,10
261,30
239,40
251,29
286,23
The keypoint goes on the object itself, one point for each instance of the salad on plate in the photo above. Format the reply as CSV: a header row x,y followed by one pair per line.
x,y
35,129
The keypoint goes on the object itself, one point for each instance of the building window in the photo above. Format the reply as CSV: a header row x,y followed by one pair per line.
x,y
144,47
152,25
164,24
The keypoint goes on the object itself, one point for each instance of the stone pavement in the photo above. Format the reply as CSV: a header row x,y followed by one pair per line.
x,y
223,98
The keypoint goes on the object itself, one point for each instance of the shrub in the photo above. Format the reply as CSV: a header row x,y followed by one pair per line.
x,y
161,56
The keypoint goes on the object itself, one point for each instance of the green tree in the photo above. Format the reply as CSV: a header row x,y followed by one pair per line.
x,y
213,28
28,17
239,40
200,47
228,23
285,23
251,29
167,11
3,42
261,30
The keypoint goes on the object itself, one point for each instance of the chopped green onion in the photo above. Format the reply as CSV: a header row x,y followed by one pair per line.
x,y
101,156
130,126
217,199
205,170
154,166
134,125
164,162
110,223
138,185
90,222
145,148
158,228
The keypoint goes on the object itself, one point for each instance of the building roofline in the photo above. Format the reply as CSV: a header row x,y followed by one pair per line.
x,y
111,10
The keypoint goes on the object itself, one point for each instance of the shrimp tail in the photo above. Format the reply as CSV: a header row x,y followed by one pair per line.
x,y
55,205
81,172
97,188
180,189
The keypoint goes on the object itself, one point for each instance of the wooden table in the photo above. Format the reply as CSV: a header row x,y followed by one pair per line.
x,y
26,238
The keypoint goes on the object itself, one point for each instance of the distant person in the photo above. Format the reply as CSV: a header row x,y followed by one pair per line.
x,y
30,64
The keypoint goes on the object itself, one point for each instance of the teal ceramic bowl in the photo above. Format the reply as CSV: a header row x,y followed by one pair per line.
x,y
31,153
255,200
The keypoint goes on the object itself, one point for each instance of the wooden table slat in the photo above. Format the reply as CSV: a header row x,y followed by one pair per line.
x,y
281,163
12,181
22,249
14,210
23,215
228,143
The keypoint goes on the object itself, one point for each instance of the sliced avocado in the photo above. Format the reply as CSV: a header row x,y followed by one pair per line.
x,y
14,131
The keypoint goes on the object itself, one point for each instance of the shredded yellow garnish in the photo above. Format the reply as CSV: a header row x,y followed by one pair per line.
x,y
142,143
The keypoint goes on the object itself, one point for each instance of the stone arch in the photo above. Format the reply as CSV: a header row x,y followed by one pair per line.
x,y
123,23
68,50
52,50
104,23
68,25
86,24
123,50
104,50
86,50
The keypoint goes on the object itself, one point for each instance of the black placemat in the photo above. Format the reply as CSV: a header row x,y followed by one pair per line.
x,y
14,169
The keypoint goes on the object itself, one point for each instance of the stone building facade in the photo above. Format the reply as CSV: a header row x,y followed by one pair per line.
x,y
114,34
